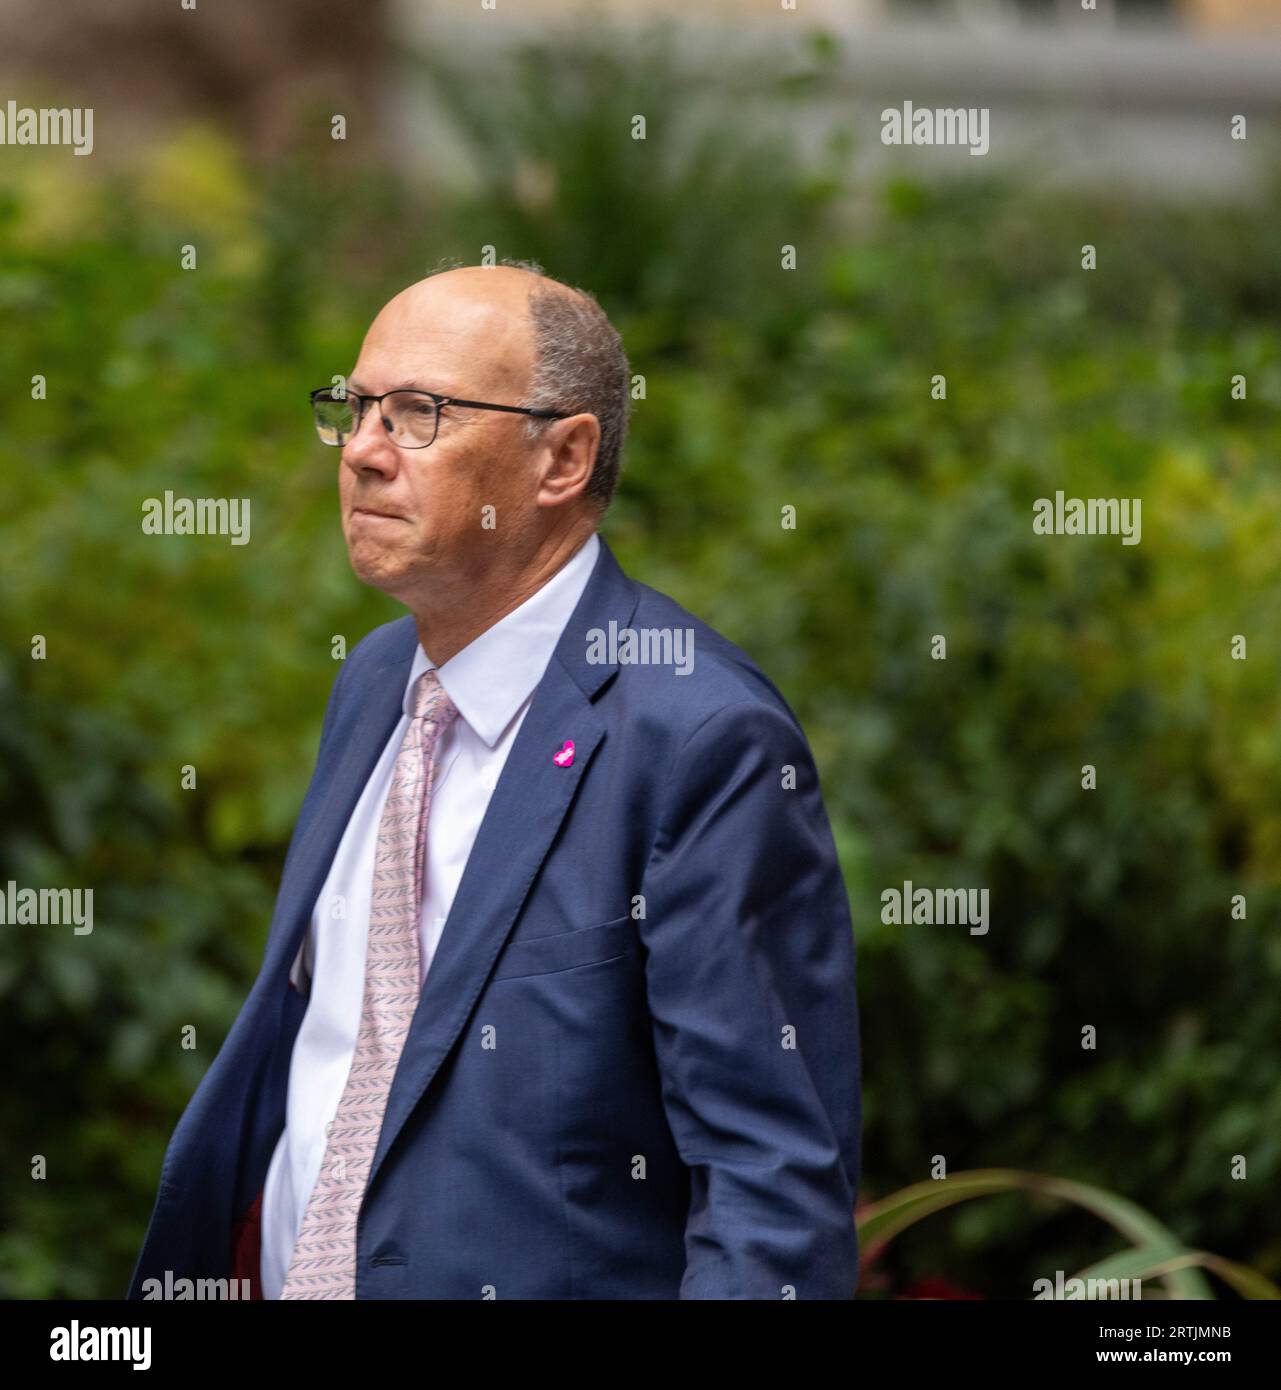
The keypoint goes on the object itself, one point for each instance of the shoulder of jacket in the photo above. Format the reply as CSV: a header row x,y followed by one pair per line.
x,y
721,676
393,641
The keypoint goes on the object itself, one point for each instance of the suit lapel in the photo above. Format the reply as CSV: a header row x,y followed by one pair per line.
x,y
324,818
528,804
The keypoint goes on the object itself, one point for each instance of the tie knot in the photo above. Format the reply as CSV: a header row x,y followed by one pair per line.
x,y
431,700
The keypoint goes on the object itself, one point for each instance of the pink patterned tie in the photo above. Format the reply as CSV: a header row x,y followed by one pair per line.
x,y
324,1257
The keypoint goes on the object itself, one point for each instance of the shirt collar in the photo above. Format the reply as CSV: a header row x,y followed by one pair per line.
x,y
493,676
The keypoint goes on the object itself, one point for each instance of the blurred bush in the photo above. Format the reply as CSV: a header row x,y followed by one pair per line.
x,y
766,388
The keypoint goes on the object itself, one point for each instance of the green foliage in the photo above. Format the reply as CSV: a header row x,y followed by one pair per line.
x,y
766,388
1156,1254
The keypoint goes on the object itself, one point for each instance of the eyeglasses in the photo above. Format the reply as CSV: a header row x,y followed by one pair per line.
x,y
410,417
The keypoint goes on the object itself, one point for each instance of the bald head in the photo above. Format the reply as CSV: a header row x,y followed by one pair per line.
x,y
473,323
508,333
488,499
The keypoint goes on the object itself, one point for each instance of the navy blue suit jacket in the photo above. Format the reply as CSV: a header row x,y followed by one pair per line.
x,y
634,1067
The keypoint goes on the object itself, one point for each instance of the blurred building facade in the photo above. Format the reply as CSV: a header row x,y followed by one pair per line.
x,y
1139,92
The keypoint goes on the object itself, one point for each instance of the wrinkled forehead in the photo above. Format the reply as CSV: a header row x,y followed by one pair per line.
x,y
463,344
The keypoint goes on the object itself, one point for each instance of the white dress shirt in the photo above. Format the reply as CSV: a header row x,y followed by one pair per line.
x,y
492,682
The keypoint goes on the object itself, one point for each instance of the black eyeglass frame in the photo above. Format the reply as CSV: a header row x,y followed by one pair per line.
x,y
363,402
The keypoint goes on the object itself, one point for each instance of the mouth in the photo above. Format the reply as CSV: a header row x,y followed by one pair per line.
x,y
375,513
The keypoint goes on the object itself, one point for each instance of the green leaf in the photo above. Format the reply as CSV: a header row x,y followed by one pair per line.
x,y
885,1219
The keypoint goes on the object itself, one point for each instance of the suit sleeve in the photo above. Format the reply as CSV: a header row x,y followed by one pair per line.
x,y
750,976
297,975
331,705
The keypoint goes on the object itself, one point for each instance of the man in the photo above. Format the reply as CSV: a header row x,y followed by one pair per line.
x,y
558,999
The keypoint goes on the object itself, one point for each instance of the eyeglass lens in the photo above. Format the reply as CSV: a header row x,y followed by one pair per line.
x,y
412,417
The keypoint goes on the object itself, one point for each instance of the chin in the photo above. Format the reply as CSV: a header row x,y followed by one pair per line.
x,y
380,571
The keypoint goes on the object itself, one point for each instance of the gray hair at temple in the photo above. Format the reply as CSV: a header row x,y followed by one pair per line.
x,y
580,366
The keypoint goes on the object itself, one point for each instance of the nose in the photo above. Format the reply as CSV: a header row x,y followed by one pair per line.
x,y
370,448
